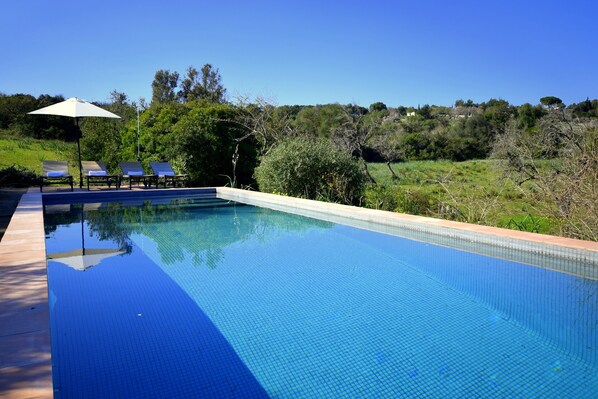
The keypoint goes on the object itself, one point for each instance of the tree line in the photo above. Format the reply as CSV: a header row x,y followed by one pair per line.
x,y
464,131
322,151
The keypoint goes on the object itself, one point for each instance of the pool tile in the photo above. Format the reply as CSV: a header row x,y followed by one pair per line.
x,y
359,314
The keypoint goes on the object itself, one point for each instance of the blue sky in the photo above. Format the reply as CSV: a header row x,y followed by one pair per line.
x,y
307,52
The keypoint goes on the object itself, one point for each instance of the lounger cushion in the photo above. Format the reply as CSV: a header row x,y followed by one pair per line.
x,y
97,173
166,174
135,173
55,174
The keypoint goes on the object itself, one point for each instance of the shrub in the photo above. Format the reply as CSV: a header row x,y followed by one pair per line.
x,y
413,202
312,169
382,197
396,199
17,176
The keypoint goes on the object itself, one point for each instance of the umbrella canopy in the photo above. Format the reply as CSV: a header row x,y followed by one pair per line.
x,y
75,108
83,259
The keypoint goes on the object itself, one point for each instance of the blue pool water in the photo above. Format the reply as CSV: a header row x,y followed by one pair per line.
x,y
204,298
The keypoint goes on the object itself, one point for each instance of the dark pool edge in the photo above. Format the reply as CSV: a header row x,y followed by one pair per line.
x,y
119,195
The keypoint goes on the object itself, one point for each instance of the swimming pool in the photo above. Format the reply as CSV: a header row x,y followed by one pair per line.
x,y
203,297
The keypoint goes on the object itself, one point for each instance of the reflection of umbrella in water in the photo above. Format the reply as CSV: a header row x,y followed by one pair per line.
x,y
83,259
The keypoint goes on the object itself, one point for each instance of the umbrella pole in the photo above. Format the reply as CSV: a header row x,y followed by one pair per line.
x,y
82,230
79,151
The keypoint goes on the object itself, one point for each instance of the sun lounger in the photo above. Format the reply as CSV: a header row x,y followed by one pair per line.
x,y
133,171
55,172
165,172
96,172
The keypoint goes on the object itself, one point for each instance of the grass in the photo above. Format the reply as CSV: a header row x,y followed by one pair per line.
x,y
470,191
29,153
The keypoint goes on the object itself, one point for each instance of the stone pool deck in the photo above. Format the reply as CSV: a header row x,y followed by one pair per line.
x,y
25,356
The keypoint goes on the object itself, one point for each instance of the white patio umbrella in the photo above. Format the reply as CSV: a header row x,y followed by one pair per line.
x,y
75,108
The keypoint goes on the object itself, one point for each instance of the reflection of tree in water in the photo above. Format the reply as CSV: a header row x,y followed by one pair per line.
x,y
193,229
60,216
210,257
205,232
113,222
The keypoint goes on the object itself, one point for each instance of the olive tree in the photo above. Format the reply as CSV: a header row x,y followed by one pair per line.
x,y
565,183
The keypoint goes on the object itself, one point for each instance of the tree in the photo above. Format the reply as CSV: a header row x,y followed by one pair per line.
x,y
386,143
425,112
14,118
585,109
319,120
102,137
565,187
207,87
354,133
205,137
528,115
551,102
469,138
377,106
265,122
164,86
307,121
189,86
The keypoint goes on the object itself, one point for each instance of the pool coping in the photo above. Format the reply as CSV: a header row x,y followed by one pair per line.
x,y
25,365
25,353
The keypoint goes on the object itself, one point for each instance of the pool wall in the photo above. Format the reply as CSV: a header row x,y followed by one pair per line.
x,y
25,359
123,195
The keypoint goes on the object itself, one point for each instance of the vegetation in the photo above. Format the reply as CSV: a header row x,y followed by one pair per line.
x,y
566,188
471,191
491,162
313,169
17,176
29,153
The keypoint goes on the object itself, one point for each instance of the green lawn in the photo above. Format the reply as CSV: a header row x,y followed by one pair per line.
x,y
471,191
30,153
